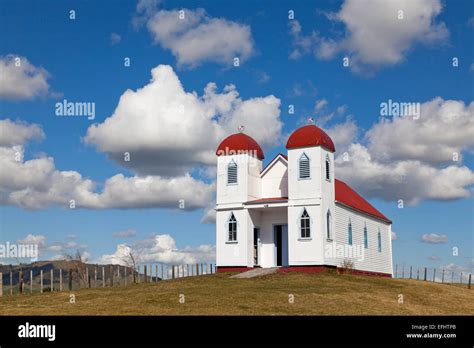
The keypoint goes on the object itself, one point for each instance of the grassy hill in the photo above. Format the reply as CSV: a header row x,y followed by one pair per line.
x,y
217,294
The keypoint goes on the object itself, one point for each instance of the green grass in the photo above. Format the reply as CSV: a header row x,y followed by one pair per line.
x,y
314,294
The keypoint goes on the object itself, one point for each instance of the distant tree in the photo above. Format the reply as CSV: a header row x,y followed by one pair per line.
x,y
130,261
78,265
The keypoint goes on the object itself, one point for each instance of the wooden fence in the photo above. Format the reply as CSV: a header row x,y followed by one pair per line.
x,y
429,274
95,276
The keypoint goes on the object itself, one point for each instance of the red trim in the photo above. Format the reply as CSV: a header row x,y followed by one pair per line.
x,y
268,200
302,269
222,269
319,269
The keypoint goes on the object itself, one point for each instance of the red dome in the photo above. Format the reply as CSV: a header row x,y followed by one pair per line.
x,y
239,143
310,135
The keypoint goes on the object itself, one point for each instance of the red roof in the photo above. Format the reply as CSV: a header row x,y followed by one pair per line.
x,y
347,196
310,135
239,143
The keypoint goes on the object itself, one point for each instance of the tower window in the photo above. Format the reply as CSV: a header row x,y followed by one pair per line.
x,y
232,173
328,168
232,229
303,165
305,230
328,225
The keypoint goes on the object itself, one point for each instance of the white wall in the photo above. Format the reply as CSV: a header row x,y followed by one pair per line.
x,y
374,260
232,253
248,185
275,180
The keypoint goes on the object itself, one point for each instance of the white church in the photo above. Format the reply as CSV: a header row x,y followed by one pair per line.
x,y
293,213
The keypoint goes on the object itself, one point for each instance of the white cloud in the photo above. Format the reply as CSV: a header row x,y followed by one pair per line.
x,y
124,234
160,248
37,184
410,159
445,127
169,131
343,134
21,80
195,37
18,133
394,236
38,240
320,104
433,238
374,35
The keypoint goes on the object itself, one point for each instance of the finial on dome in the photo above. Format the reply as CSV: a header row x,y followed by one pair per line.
x,y
241,129
310,120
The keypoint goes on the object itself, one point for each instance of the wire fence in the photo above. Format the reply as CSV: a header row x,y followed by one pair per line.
x,y
433,274
42,280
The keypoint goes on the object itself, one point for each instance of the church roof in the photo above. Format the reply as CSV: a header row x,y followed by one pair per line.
x,y
308,136
347,196
240,143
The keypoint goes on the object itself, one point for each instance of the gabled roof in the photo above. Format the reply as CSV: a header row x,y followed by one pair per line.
x,y
269,165
347,196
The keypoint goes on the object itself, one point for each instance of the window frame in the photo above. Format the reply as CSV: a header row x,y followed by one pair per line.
x,y
300,220
231,220
329,225
379,241
327,173
232,162
349,232
366,237
299,167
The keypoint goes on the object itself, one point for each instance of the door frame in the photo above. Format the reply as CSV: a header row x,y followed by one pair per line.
x,y
284,244
256,246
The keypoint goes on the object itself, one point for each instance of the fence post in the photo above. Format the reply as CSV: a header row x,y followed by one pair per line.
x,y
425,274
469,283
118,274
1,284
60,279
41,280
52,280
452,277
418,274
410,271
103,277
145,278
111,275
460,280
434,275
95,276
172,272
69,280
442,277
197,269
403,271
125,275
20,282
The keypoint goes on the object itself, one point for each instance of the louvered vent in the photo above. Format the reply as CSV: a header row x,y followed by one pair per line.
x,y
304,167
232,173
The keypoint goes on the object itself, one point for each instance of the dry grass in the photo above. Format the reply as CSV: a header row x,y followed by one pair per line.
x,y
315,294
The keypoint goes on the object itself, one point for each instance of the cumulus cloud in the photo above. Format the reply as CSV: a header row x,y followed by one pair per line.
x,y
160,248
433,238
21,80
38,240
410,159
375,35
444,128
18,133
37,183
394,236
194,37
168,131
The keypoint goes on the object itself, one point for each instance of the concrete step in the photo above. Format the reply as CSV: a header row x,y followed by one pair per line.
x,y
257,272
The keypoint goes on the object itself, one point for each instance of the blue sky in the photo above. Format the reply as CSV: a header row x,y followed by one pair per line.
x,y
297,61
